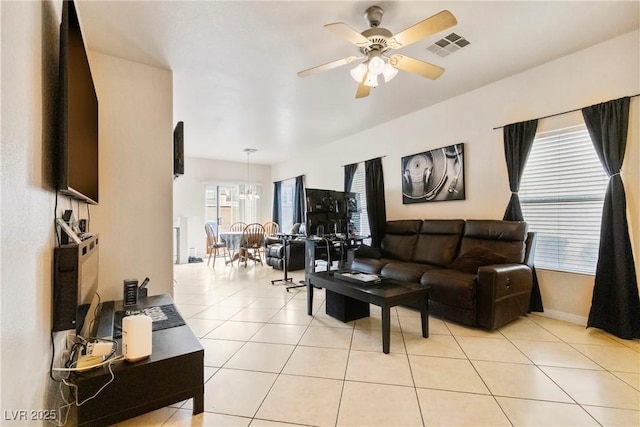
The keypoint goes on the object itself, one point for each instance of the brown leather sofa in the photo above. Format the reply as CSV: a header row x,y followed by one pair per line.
x,y
479,271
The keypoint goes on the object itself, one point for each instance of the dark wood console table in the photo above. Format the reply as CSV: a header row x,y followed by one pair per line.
x,y
174,372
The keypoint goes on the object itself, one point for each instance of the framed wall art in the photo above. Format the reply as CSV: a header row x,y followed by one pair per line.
x,y
433,176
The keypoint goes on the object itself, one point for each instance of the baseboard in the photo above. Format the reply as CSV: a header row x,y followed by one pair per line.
x,y
567,317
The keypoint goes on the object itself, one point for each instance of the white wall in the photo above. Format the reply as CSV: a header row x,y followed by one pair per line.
x,y
606,71
134,217
189,193
29,81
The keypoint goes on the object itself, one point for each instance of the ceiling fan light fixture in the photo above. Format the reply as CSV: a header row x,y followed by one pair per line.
x,y
372,80
376,65
389,72
358,72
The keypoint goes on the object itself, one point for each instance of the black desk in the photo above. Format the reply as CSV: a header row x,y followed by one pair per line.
x,y
174,372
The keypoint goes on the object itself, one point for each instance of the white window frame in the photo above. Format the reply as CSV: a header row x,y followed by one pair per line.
x,y
561,194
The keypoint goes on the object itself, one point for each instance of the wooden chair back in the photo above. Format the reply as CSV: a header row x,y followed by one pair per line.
x,y
238,227
211,238
271,229
253,236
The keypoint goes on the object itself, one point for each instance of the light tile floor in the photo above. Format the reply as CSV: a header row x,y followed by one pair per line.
x,y
270,364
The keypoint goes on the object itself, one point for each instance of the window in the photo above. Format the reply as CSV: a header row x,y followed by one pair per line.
x,y
286,205
226,204
561,194
360,219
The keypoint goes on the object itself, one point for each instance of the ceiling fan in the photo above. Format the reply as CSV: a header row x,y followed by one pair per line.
x,y
374,45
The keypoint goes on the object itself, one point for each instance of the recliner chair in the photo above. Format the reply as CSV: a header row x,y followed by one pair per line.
x,y
295,251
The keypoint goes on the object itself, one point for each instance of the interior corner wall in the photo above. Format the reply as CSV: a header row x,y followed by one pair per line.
x,y
600,73
29,78
189,194
134,216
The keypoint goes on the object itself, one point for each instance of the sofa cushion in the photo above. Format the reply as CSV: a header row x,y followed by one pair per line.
x,y
403,226
451,287
438,241
503,237
470,261
405,271
400,238
399,247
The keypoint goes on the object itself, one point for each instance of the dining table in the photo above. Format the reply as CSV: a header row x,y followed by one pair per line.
x,y
233,241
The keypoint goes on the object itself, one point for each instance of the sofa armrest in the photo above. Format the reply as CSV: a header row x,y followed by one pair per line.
x,y
269,240
502,294
365,251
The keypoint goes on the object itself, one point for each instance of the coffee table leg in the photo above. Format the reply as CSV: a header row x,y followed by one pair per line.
x,y
386,329
309,298
424,316
198,404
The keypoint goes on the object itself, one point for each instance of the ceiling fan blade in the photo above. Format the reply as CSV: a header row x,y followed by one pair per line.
x,y
363,90
416,66
434,24
347,33
328,66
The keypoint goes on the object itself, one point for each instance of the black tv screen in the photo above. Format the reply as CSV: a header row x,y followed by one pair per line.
x,y
178,150
78,109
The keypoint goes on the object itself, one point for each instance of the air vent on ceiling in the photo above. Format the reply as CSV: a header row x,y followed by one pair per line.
x,y
448,45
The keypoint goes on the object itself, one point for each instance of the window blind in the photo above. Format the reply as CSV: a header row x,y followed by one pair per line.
x,y
361,218
562,194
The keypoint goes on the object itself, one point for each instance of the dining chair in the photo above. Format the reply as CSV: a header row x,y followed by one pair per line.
x,y
213,246
252,242
271,229
237,227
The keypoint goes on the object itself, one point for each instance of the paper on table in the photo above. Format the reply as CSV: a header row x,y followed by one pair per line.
x,y
361,277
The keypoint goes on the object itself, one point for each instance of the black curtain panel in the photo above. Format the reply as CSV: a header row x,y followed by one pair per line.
x,y
349,174
376,209
615,306
518,140
277,202
298,200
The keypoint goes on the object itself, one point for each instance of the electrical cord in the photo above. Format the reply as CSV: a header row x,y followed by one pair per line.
x,y
53,355
55,228
109,363
70,366
74,391
67,405
95,312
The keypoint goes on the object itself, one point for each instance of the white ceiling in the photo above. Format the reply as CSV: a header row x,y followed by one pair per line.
x,y
234,63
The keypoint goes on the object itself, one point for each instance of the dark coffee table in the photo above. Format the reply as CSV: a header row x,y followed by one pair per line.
x,y
386,294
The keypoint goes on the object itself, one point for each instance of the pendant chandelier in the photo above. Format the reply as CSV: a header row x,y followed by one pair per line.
x,y
249,193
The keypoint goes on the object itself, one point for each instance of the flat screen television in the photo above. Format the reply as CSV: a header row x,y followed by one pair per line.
x,y
178,150
77,148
